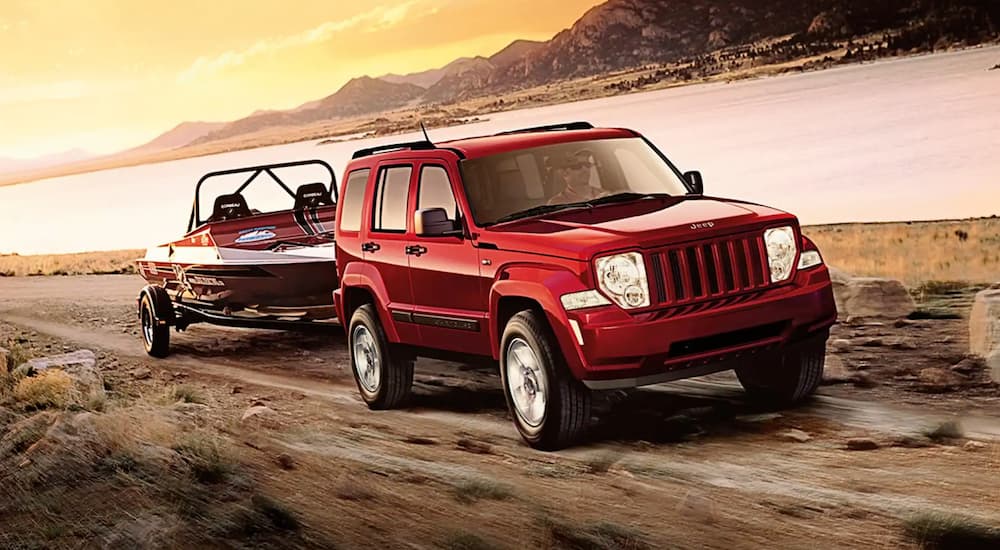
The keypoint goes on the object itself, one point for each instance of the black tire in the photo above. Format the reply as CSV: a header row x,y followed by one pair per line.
x,y
786,378
567,405
155,337
394,372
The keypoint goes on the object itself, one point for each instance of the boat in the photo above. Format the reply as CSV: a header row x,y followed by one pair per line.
x,y
258,252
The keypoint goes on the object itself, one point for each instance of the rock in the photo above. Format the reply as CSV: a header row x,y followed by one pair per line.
x,y
797,436
835,372
984,329
937,379
901,323
840,345
143,374
237,389
861,444
4,357
870,342
81,366
864,380
974,446
259,413
285,461
968,366
872,297
190,408
902,345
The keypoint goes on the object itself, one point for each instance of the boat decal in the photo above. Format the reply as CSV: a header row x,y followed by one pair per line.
x,y
315,218
256,234
303,222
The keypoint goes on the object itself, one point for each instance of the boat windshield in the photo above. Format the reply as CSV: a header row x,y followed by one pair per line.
x,y
538,180
263,190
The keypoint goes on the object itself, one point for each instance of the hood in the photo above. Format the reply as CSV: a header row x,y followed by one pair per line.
x,y
648,223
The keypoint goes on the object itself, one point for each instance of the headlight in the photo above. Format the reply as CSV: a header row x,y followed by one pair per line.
x,y
581,300
809,258
623,278
780,242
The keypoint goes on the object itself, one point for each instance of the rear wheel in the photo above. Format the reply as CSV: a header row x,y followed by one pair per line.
x,y
788,377
550,408
155,337
383,376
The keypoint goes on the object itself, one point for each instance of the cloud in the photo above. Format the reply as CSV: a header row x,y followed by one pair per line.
x,y
376,19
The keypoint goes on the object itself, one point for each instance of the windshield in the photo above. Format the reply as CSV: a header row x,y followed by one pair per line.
x,y
263,190
540,179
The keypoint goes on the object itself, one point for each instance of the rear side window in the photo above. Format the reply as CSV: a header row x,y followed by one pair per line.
x,y
392,194
435,191
354,198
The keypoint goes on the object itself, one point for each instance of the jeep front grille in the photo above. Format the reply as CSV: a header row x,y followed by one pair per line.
x,y
709,269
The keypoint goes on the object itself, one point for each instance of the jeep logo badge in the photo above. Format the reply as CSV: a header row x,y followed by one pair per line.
x,y
702,225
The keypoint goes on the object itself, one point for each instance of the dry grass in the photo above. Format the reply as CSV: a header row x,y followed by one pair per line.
x,y
598,536
472,490
84,263
914,252
940,531
184,394
51,388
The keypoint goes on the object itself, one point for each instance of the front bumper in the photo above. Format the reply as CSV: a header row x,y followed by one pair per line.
x,y
623,350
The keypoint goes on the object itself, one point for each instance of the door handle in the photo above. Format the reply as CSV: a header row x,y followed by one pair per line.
x,y
416,250
370,247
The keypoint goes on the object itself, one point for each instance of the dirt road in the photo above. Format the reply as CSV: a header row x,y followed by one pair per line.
x,y
687,464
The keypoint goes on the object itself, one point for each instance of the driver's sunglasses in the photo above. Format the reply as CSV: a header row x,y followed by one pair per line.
x,y
578,165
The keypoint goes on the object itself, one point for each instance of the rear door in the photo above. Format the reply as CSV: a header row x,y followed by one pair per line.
x,y
450,305
386,237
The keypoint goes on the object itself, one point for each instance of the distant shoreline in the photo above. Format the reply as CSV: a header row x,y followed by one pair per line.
x,y
403,121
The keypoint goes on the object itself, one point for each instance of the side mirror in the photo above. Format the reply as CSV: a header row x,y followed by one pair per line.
x,y
694,180
434,222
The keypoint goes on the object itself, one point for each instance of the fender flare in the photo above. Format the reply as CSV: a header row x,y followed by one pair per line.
x,y
367,277
543,285
163,307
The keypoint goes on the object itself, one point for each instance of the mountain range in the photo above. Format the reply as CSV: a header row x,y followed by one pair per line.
x,y
613,36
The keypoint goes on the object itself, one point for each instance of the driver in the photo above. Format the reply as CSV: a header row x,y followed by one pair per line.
x,y
573,170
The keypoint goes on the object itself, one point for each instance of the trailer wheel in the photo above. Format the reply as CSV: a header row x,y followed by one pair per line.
x,y
155,336
383,376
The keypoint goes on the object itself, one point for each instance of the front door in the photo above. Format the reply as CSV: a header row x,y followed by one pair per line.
x,y
449,302
386,238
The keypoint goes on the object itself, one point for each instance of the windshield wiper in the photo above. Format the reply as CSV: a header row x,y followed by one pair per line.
x,y
624,197
538,211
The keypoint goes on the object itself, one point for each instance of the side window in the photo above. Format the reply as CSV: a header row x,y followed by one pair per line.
x,y
354,198
435,191
392,194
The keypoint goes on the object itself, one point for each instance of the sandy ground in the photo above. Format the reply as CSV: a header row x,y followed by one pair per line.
x,y
688,464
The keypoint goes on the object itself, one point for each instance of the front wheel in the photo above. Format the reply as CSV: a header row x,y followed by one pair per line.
x,y
155,337
787,378
550,408
384,378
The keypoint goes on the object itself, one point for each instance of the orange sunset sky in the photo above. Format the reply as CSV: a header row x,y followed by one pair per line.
x,y
105,75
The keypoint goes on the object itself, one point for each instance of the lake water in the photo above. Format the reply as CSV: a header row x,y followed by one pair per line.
x,y
906,139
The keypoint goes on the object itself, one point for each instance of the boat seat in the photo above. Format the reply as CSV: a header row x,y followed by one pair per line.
x,y
312,195
230,207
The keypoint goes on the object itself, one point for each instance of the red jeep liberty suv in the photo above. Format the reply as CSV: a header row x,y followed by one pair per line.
x,y
580,259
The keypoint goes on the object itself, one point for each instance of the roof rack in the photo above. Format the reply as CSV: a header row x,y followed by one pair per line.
x,y
579,125
422,145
